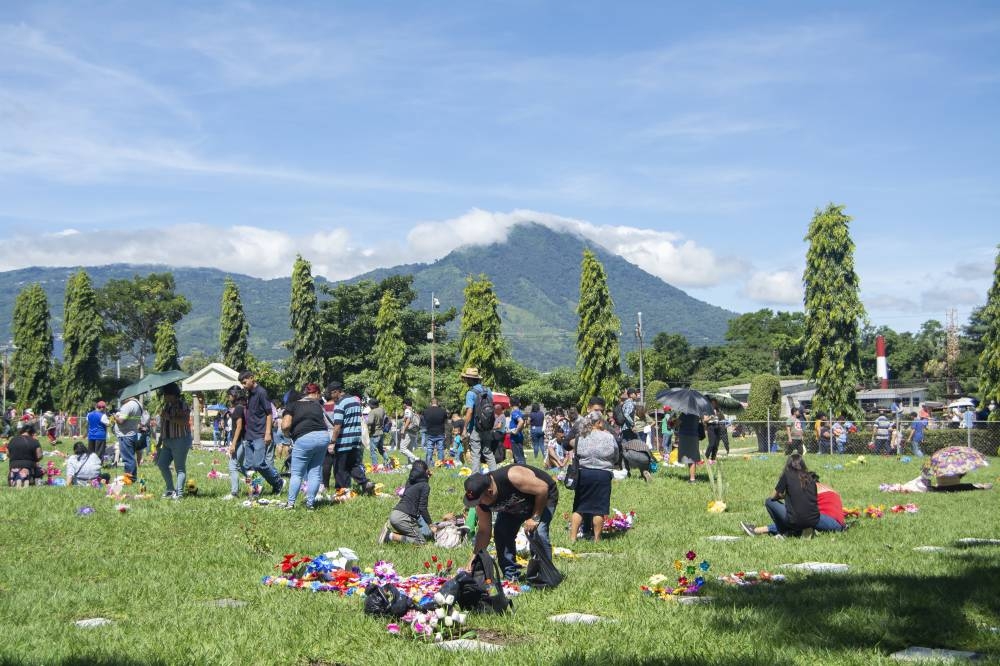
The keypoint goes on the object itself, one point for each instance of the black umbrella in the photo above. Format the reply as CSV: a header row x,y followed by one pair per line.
x,y
686,401
151,382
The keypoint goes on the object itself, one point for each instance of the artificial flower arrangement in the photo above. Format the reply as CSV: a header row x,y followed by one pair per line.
x,y
344,494
464,471
324,573
718,485
52,472
747,578
690,579
619,522
445,622
905,508
213,474
447,463
117,489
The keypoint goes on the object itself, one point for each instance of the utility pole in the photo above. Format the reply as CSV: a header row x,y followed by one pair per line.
x,y
435,304
642,381
7,348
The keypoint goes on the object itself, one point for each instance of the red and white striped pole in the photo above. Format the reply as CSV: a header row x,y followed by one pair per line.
x,y
881,368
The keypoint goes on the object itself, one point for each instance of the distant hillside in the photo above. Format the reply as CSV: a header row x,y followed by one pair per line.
x,y
536,273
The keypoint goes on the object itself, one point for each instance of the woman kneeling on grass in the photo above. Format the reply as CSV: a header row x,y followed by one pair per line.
x,y
404,525
24,452
803,512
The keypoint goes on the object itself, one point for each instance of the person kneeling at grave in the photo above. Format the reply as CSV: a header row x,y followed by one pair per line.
x,y
519,495
808,506
404,525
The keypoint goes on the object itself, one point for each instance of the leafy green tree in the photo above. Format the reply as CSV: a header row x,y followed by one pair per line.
x,y
234,329
81,369
763,406
132,311
31,365
481,338
166,348
652,388
306,364
389,353
989,359
833,312
274,381
559,388
598,353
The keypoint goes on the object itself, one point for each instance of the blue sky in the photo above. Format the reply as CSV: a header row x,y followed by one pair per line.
x,y
697,140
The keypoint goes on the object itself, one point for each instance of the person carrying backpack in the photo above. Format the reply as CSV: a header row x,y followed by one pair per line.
x,y
479,419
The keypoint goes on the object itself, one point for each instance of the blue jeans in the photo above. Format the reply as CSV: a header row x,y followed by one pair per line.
x,y
307,462
916,448
434,442
538,442
255,458
126,447
779,514
376,447
236,470
174,450
505,533
517,448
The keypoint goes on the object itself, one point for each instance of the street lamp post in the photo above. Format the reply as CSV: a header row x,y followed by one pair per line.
x,y
435,304
642,381
7,348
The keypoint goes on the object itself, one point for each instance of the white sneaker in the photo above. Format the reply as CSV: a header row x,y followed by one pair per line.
x,y
228,497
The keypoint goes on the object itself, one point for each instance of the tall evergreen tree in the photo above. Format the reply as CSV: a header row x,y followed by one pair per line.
x,y
390,352
166,348
989,358
234,329
481,340
306,364
834,312
81,370
598,352
32,362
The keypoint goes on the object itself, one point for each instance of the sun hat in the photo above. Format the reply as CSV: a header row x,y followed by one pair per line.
x,y
471,373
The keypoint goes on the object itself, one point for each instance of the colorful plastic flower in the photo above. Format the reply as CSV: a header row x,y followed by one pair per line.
x,y
691,555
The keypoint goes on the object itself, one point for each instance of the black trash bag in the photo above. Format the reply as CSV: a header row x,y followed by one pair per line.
x,y
480,590
386,600
541,572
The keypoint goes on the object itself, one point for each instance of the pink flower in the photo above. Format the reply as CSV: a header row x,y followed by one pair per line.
x,y
393,629
691,555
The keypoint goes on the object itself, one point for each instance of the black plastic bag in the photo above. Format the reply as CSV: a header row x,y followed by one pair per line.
x,y
480,590
541,571
386,600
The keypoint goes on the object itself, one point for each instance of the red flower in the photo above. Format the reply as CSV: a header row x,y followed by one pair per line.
x,y
434,558
427,565
439,566
449,564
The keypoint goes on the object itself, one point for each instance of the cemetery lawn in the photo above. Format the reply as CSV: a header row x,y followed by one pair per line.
x,y
157,571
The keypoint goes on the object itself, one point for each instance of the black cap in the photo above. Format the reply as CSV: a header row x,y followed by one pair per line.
x,y
334,386
475,486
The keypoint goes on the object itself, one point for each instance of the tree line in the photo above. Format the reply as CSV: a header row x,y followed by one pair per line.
x,y
370,336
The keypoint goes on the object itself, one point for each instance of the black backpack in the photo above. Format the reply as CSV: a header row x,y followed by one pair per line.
x,y
618,414
386,600
483,416
480,590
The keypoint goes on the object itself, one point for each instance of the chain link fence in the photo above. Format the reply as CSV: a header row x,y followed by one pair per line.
x,y
859,437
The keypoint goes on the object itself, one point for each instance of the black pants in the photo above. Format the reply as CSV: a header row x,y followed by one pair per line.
x,y
98,446
713,442
349,465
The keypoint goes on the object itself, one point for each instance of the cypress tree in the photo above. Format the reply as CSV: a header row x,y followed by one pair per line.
x,y
234,329
81,370
989,358
389,353
165,347
598,352
481,340
833,312
32,362
306,364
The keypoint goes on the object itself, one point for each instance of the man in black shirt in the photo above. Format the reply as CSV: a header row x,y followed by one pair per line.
x,y
435,418
259,419
519,495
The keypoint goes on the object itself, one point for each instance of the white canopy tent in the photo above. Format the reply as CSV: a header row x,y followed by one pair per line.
x,y
213,377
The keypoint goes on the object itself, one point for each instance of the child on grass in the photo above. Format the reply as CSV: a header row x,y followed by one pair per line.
x,y
404,520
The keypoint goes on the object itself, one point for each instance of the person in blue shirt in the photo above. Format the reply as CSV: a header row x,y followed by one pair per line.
x,y
516,430
480,443
345,440
917,429
97,430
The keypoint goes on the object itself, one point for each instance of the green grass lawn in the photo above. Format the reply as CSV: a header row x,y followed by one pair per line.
x,y
157,569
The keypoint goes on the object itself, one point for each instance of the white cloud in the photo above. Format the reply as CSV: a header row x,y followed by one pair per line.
x,y
665,254
972,270
337,254
889,303
782,287
943,298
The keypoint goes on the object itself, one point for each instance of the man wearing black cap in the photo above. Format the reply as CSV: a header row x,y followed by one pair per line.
x,y
519,495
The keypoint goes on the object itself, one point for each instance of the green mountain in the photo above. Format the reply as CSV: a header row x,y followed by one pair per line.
x,y
536,274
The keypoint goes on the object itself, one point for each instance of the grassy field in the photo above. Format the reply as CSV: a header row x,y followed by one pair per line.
x,y
157,569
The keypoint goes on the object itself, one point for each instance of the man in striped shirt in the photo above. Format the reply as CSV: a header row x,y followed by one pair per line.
x,y
345,440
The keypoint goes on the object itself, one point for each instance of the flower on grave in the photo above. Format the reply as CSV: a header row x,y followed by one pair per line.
x,y
704,565
678,565
691,555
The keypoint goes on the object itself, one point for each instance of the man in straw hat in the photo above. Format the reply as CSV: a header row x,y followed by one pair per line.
x,y
477,438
